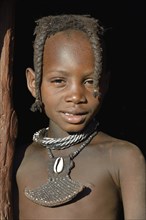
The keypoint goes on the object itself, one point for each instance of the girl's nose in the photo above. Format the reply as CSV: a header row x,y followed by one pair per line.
x,y
76,94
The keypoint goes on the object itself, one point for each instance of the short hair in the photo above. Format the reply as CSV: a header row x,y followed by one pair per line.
x,y
50,25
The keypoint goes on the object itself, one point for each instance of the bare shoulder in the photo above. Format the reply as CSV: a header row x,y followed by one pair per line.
x,y
127,168
124,155
121,148
124,160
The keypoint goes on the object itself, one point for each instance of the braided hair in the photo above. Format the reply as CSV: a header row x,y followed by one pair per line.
x,y
47,26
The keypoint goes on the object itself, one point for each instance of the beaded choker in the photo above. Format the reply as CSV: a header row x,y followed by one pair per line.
x,y
60,188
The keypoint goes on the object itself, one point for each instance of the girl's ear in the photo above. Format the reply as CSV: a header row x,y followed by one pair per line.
x,y
30,77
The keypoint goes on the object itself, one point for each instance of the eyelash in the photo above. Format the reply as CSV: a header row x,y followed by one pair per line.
x,y
62,82
90,81
57,81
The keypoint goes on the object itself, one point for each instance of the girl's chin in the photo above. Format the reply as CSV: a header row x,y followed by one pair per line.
x,y
75,128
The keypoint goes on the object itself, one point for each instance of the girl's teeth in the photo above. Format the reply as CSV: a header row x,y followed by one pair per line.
x,y
68,114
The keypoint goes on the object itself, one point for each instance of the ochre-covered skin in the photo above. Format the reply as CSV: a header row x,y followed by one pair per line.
x,y
113,170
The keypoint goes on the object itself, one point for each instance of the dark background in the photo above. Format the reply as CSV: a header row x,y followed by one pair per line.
x,y
123,113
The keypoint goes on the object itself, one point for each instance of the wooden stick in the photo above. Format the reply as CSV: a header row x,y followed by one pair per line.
x,y
8,119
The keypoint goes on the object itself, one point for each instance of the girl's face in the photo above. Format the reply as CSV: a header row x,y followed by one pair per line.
x,y
67,82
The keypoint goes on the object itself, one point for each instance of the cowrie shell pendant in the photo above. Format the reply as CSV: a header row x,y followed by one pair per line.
x,y
58,165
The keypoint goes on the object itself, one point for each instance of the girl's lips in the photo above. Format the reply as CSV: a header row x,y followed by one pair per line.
x,y
73,118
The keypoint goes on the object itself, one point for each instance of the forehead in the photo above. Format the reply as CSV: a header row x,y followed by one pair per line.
x,y
68,37
70,42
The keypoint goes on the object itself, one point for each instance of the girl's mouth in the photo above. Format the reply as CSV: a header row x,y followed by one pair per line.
x,y
74,118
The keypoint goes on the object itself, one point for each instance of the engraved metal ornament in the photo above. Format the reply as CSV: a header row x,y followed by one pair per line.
x,y
59,189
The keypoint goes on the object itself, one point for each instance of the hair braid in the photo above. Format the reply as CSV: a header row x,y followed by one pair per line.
x,y
50,25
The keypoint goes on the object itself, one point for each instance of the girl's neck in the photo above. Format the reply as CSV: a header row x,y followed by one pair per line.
x,y
55,131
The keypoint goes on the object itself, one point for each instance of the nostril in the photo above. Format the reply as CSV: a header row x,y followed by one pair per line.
x,y
76,98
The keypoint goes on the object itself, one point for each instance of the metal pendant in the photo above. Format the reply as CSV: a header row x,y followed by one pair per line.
x,y
60,188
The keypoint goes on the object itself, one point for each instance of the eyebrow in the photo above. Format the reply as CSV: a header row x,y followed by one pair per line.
x,y
58,71
65,73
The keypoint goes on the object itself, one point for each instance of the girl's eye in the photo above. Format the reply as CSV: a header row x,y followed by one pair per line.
x,y
58,82
89,82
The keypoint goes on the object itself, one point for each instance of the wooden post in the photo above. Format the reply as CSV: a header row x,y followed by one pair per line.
x,y
8,120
